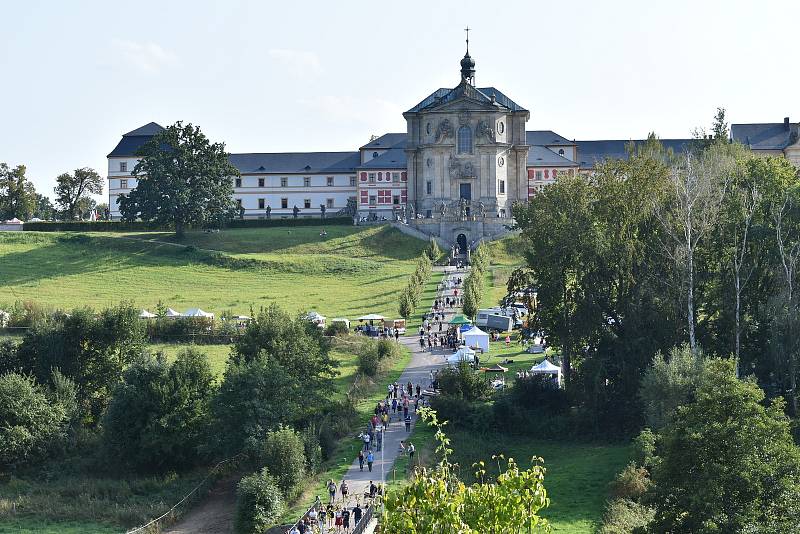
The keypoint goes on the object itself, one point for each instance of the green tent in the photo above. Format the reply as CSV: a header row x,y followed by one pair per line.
x,y
460,319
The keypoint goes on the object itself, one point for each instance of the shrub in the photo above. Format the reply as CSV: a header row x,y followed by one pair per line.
x,y
283,456
624,516
336,329
160,414
312,449
540,392
461,382
644,448
433,251
369,361
10,361
259,503
30,423
668,383
631,483
405,306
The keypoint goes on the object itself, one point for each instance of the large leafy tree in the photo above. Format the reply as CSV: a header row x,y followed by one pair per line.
x,y
728,463
17,194
44,208
73,191
183,179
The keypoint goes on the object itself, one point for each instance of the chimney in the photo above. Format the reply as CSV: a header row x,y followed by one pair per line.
x,y
786,123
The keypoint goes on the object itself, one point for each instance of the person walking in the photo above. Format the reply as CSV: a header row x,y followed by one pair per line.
x,y
331,491
411,451
408,424
357,513
344,490
371,458
379,441
366,439
346,519
361,460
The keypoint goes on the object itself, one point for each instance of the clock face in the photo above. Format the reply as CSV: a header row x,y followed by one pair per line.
x,y
428,128
501,161
501,127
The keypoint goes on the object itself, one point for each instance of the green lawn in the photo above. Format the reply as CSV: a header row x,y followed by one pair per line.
x,y
351,272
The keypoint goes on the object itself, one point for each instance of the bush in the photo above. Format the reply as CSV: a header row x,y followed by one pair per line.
x,y
30,424
159,415
644,448
312,449
540,392
259,503
375,356
336,329
668,383
433,251
624,516
283,455
10,361
461,382
631,483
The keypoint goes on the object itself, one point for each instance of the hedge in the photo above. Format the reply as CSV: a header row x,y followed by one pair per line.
x,y
141,226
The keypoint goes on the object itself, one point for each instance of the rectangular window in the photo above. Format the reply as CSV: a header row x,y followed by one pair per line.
x,y
307,203
237,182
261,203
396,200
329,181
373,200
372,177
284,203
123,166
429,187
307,181
123,184
395,176
284,181
502,187
427,214
538,175
260,182
328,202
352,181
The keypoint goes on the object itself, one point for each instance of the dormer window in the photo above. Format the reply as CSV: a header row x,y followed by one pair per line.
x,y
465,140
375,154
560,151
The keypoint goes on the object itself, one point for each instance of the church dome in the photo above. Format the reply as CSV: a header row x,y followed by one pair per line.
x,y
467,62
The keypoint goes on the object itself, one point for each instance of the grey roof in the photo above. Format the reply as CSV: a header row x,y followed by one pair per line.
x,y
132,141
394,158
542,156
389,140
763,136
296,162
464,90
592,152
151,128
546,137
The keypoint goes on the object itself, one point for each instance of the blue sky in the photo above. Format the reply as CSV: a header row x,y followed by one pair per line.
x,y
309,75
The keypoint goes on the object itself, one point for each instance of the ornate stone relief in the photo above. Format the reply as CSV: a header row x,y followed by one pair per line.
x,y
461,170
484,130
444,130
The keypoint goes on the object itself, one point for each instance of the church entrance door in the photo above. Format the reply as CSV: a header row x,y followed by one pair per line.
x,y
462,243
465,191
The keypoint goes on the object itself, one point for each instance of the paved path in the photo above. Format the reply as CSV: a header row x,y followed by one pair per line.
x,y
417,372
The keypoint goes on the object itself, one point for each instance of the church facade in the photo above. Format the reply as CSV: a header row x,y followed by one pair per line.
x,y
465,159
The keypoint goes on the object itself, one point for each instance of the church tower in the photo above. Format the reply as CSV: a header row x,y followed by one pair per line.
x,y
467,156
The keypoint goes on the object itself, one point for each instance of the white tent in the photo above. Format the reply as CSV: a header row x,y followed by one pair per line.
x,y
464,354
147,315
172,313
372,317
13,221
547,368
197,312
475,337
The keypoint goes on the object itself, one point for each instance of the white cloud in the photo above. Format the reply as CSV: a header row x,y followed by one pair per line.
x,y
146,57
298,62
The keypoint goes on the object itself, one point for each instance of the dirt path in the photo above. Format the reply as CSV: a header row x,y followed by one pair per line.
x,y
213,515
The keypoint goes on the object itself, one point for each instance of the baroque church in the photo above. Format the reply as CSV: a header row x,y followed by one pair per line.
x,y
465,159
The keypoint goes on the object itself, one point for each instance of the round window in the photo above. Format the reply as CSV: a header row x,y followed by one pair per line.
x,y
501,161
428,128
501,127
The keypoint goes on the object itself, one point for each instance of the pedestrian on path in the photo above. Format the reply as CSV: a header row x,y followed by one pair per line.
x,y
344,490
360,460
379,440
411,451
408,424
371,458
366,439
331,491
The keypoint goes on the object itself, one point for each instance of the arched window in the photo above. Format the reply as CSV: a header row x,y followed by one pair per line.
x,y
465,140
560,151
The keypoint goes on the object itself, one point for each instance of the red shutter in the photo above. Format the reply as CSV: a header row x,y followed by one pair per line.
x,y
403,196
531,174
364,197
547,173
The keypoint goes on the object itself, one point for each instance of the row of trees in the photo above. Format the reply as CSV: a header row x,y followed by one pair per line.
x,y
410,296
474,282
19,198
660,248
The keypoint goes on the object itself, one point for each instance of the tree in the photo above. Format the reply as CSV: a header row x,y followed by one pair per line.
x,y
436,502
44,208
73,190
405,306
159,415
282,455
669,383
259,503
727,462
17,194
30,423
183,179
463,383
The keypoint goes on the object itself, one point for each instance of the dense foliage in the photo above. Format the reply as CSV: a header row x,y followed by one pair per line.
x,y
182,179
376,355
259,503
282,454
410,296
74,192
17,194
159,417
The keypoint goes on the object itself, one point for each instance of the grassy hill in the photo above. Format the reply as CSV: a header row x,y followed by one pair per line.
x,y
349,272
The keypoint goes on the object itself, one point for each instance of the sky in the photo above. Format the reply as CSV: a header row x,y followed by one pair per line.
x,y
309,75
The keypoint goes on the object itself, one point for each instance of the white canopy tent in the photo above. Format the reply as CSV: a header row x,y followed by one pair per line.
x,y
371,317
475,337
197,312
547,368
464,354
146,315
172,313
